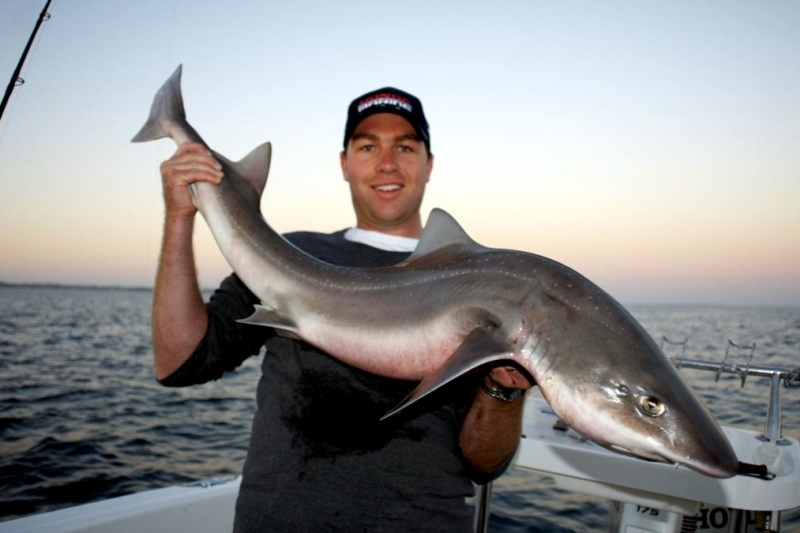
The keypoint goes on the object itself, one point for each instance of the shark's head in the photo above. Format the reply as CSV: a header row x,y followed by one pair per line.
x,y
655,415
623,392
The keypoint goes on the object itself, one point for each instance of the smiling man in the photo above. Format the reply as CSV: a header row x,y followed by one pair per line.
x,y
319,460
387,161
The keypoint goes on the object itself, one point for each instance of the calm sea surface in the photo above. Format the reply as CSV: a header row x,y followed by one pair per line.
x,y
82,419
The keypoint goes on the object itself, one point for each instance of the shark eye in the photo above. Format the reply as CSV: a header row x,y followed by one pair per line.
x,y
652,406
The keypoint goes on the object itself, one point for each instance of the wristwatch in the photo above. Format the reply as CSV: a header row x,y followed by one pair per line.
x,y
502,393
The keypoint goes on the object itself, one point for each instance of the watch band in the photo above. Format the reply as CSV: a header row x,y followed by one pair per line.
x,y
502,393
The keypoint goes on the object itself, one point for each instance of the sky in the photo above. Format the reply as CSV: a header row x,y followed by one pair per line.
x,y
654,147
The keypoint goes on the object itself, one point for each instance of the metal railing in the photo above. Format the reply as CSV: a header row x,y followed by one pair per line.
x,y
773,426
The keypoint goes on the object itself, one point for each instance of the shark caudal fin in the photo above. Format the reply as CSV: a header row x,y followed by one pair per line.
x,y
168,119
167,109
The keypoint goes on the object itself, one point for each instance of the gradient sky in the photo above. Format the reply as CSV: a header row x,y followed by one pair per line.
x,y
652,146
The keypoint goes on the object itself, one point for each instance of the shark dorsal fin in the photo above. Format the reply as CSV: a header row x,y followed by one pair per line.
x,y
254,169
441,231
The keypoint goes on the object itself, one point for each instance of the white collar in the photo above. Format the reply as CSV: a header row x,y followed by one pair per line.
x,y
381,241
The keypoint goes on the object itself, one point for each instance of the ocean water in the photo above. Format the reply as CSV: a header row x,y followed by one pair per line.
x,y
82,419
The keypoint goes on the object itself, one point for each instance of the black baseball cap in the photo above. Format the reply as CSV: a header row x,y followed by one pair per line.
x,y
388,100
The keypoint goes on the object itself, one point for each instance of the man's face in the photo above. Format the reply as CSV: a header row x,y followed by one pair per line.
x,y
387,167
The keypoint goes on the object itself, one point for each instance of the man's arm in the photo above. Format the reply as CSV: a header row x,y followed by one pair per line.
x,y
492,428
180,318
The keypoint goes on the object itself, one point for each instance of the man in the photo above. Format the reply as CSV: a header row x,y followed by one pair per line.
x,y
319,459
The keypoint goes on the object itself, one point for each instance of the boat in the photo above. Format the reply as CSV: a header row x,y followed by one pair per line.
x,y
644,497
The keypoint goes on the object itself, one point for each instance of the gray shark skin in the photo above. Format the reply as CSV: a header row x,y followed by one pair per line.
x,y
455,306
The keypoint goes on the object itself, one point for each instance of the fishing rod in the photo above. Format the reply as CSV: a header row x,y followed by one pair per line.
x,y
15,78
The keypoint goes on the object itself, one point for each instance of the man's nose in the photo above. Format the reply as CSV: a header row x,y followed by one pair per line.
x,y
388,161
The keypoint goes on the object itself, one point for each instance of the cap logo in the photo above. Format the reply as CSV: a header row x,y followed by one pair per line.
x,y
385,99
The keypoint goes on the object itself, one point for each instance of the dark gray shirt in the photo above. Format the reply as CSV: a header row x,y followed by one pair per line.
x,y
319,458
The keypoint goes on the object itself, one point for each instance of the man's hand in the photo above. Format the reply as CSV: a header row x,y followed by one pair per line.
x,y
180,318
493,427
510,378
191,163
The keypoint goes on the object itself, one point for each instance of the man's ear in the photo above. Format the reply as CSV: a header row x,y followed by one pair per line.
x,y
343,164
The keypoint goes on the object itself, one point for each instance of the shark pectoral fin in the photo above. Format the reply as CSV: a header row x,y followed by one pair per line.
x,y
264,316
479,348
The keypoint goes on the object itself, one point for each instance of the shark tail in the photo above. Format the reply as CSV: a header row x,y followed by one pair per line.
x,y
168,119
167,109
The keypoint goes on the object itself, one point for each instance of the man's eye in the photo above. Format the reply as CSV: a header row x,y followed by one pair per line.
x,y
404,148
367,148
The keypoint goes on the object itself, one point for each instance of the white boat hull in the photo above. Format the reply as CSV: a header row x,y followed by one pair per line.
x,y
206,508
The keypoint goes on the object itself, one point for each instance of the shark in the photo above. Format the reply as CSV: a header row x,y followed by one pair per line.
x,y
455,307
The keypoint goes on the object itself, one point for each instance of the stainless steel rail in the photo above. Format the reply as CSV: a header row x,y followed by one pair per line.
x,y
773,426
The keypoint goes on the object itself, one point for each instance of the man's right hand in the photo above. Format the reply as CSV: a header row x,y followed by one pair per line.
x,y
191,163
180,318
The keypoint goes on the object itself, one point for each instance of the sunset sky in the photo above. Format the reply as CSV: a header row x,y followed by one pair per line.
x,y
652,146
